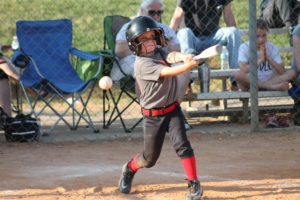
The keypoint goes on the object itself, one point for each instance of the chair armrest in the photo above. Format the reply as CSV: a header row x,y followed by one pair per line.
x,y
107,53
88,57
84,55
20,60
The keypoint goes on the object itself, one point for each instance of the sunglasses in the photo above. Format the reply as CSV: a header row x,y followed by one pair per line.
x,y
154,12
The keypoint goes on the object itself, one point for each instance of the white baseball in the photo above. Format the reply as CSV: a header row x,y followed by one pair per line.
x,y
105,83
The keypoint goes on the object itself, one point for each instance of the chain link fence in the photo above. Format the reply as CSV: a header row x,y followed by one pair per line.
x,y
88,34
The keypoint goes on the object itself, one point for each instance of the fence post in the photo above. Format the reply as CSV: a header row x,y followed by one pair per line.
x,y
253,66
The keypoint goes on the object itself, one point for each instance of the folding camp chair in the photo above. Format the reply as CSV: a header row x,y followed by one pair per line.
x,y
47,45
112,25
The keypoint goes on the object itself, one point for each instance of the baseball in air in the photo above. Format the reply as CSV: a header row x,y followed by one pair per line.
x,y
105,83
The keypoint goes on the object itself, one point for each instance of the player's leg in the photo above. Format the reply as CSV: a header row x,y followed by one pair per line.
x,y
154,134
184,150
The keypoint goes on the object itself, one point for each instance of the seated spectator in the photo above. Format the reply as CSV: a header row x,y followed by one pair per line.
x,y
7,69
296,51
296,66
153,9
197,27
280,13
271,73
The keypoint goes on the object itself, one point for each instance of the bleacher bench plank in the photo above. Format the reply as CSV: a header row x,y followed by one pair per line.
x,y
239,111
232,95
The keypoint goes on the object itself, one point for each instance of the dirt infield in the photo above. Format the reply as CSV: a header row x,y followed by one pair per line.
x,y
230,166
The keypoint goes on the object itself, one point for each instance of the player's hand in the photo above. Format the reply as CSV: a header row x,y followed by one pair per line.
x,y
188,60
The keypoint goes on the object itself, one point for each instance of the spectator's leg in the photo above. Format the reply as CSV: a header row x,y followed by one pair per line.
x,y
10,69
294,6
273,84
288,76
283,9
230,37
243,81
188,41
271,16
5,96
296,48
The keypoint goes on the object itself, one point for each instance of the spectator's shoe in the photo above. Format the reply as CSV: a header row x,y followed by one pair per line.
x,y
195,190
126,179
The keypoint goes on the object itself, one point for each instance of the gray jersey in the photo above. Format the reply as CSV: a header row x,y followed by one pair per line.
x,y
156,91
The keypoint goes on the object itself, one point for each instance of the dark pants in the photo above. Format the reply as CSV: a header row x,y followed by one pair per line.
x,y
280,13
3,75
155,129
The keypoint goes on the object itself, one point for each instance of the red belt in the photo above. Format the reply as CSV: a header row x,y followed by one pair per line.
x,y
2,61
160,111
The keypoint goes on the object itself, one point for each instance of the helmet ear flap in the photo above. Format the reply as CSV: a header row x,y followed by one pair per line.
x,y
137,47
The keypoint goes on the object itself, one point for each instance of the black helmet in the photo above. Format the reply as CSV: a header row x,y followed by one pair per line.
x,y
140,25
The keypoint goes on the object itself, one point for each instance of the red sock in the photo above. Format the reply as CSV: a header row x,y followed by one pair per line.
x,y
133,164
189,165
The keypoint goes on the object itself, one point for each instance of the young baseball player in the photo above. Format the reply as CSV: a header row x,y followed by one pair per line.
x,y
158,84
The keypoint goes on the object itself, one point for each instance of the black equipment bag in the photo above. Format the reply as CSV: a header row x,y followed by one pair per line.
x,y
22,128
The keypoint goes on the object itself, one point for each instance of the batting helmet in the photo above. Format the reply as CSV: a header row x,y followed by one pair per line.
x,y
140,25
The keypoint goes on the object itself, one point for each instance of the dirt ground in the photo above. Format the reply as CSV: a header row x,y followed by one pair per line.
x,y
230,166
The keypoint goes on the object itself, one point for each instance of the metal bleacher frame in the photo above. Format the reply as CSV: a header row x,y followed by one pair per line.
x,y
244,97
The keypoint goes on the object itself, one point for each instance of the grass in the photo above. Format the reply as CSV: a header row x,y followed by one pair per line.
x,y
88,15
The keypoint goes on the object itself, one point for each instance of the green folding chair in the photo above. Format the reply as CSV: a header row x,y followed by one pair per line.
x,y
126,86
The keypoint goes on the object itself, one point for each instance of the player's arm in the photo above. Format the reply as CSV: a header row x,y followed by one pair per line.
x,y
122,50
176,19
188,64
228,16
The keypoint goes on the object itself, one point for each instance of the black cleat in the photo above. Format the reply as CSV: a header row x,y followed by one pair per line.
x,y
126,179
195,190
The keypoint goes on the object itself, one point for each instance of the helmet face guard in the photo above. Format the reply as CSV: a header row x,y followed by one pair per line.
x,y
139,26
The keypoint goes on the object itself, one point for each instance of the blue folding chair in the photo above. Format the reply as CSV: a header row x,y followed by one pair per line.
x,y
48,45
